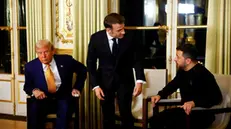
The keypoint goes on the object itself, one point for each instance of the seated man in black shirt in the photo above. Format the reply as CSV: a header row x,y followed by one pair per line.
x,y
198,88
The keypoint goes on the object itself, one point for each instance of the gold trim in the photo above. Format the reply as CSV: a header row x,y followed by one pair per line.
x,y
6,101
162,27
12,85
64,51
59,35
21,28
5,80
140,27
147,27
21,102
18,84
6,28
191,27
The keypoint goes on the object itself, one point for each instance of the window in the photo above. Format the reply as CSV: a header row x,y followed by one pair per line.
x,y
5,36
148,15
8,51
186,20
192,25
22,35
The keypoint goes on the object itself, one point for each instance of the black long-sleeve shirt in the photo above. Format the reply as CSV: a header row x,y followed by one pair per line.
x,y
197,84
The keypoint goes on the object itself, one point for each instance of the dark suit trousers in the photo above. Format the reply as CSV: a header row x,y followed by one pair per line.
x,y
40,108
124,97
175,118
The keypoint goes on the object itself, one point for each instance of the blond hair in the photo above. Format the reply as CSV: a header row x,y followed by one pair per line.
x,y
44,42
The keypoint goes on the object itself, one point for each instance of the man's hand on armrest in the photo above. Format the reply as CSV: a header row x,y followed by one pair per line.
x,y
75,93
155,99
38,94
188,107
166,102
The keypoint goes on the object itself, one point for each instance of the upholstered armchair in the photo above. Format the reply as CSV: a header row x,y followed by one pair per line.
x,y
222,110
155,80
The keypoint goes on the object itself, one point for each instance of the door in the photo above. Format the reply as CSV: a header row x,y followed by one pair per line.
x,y
13,56
20,58
161,25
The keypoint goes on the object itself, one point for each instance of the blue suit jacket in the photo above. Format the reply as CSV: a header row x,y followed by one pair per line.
x,y
66,65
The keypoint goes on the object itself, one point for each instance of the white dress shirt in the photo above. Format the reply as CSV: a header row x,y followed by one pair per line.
x,y
110,41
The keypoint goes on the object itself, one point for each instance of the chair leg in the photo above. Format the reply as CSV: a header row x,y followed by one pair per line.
x,y
187,122
76,119
145,116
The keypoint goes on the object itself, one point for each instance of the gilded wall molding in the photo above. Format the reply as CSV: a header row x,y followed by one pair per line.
x,y
18,85
64,21
64,51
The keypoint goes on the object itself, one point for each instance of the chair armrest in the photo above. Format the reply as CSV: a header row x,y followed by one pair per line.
x,y
28,96
162,102
169,102
29,99
215,110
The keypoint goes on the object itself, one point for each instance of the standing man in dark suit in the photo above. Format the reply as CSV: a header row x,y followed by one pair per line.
x,y
50,76
117,55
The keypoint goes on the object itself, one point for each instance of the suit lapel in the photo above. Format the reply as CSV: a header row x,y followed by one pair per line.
x,y
41,73
60,66
122,47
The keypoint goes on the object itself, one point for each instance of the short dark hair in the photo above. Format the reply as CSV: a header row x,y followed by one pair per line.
x,y
189,51
113,18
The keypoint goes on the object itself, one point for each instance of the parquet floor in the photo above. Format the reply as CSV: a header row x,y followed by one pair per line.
x,y
12,124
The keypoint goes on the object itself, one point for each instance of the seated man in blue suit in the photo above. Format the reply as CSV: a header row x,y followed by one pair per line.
x,y
50,76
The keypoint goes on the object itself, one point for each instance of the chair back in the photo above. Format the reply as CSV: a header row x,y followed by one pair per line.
x,y
155,80
222,120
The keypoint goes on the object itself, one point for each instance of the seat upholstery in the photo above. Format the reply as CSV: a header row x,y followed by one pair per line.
x,y
222,120
155,80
